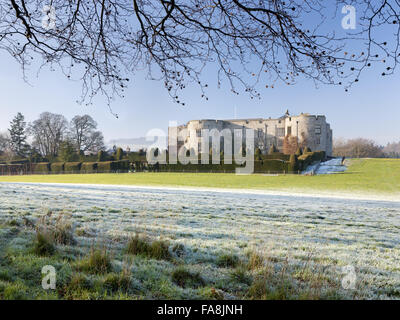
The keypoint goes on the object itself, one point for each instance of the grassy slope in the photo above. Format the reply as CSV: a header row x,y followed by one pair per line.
x,y
366,175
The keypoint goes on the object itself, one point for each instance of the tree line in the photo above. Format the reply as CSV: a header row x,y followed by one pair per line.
x,y
50,136
365,148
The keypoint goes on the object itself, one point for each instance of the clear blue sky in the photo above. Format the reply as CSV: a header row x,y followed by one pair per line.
x,y
371,109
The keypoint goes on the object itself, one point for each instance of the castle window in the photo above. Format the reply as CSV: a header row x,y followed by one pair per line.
x,y
289,131
198,132
260,133
318,140
318,130
199,147
280,132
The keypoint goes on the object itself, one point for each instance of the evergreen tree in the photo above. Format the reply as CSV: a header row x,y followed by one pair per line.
x,y
292,163
18,135
101,156
119,154
67,152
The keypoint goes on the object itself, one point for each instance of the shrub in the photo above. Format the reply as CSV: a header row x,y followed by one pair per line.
x,y
258,155
270,166
101,156
77,287
41,168
255,261
63,233
306,149
276,156
227,260
67,152
57,167
78,281
117,281
13,291
57,228
212,294
159,250
298,152
89,167
292,163
98,261
239,275
258,289
107,166
309,157
156,249
43,245
119,154
123,165
73,166
184,278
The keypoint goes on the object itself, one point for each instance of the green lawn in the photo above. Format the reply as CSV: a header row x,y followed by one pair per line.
x,y
364,176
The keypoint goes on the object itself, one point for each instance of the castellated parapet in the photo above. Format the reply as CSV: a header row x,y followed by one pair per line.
x,y
304,130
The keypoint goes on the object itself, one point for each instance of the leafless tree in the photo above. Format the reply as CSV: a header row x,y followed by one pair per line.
x,y
357,148
102,42
392,150
84,135
5,146
4,141
290,144
48,132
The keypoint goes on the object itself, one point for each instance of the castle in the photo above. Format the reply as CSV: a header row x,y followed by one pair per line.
x,y
286,133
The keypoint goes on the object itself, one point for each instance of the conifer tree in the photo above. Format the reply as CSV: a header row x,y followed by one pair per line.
x,y
18,135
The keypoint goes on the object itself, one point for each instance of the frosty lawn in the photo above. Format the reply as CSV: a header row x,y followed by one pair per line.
x,y
369,176
195,244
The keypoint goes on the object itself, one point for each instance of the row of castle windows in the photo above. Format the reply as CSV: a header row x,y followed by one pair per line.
x,y
280,132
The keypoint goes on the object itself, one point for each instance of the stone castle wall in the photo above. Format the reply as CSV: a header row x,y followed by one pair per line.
x,y
309,130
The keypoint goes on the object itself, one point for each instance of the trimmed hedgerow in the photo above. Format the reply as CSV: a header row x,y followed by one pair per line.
x,y
276,156
72,167
123,165
108,166
105,166
270,166
309,157
89,167
293,165
42,167
57,167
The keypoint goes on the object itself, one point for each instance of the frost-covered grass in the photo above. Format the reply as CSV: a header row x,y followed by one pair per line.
x,y
370,176
110,243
